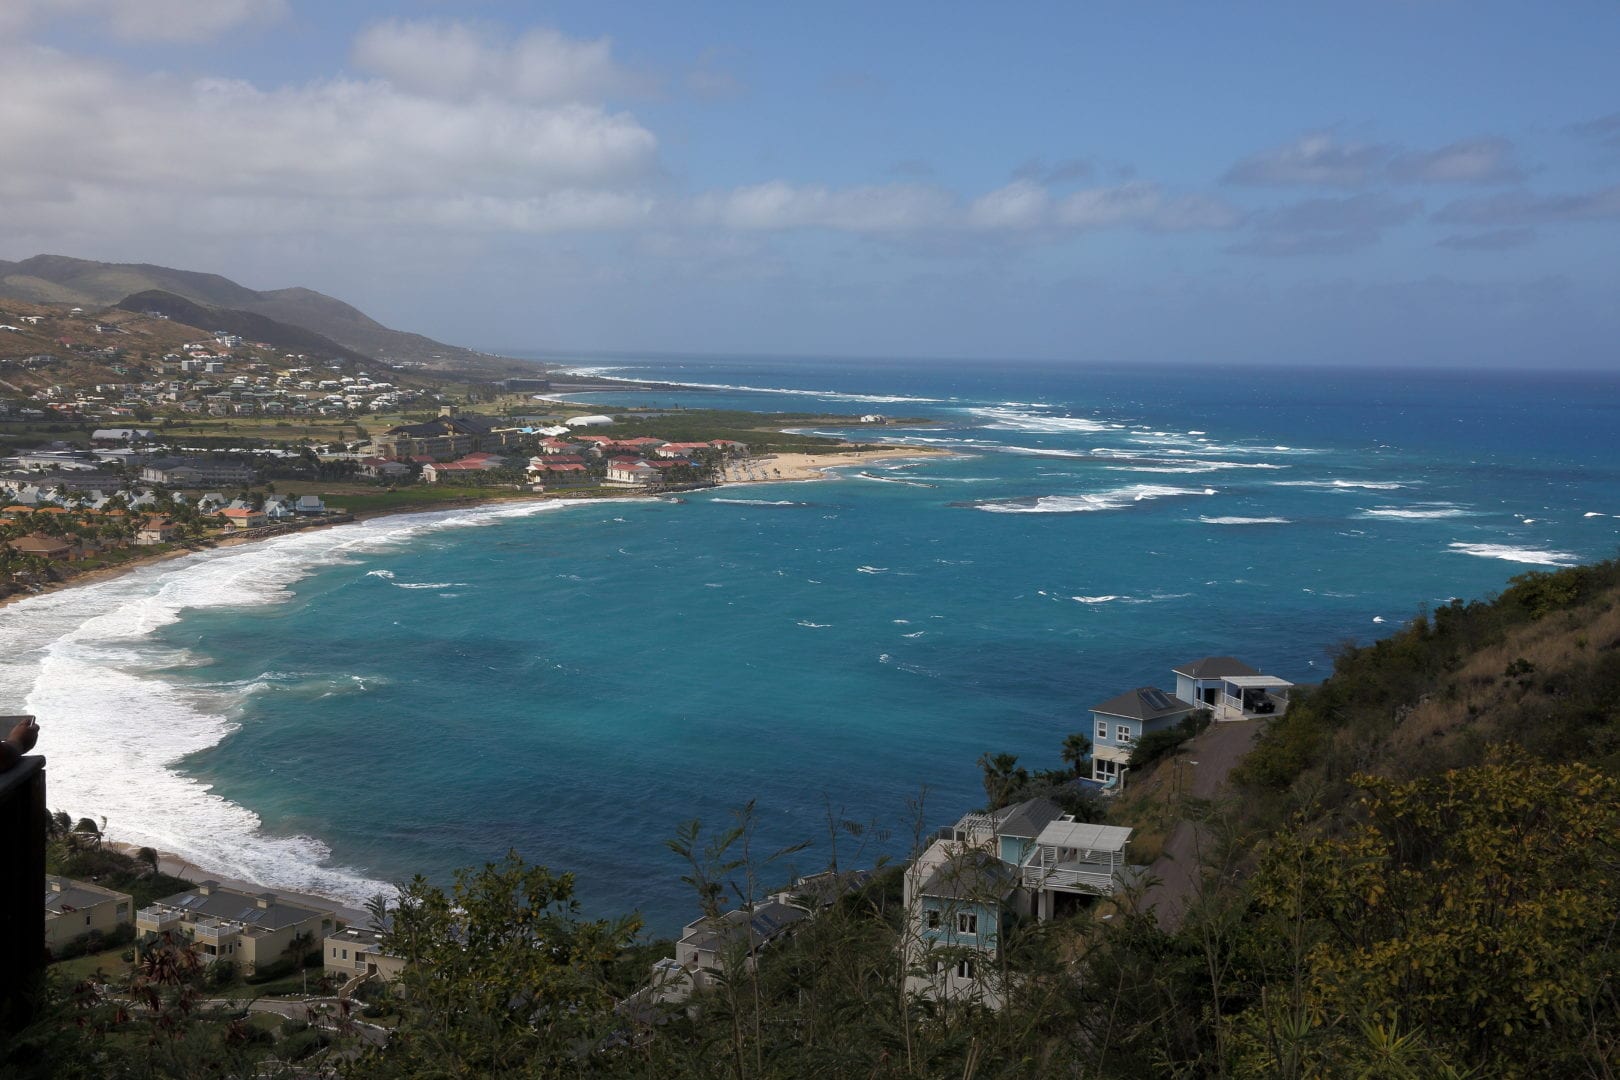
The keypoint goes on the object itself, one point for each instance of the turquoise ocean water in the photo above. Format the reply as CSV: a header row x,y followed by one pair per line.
x,y
349,707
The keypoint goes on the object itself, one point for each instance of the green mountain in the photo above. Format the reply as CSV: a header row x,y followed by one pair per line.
x,y
59,279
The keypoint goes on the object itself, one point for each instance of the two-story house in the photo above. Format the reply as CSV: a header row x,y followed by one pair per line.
x,y
249,929
1120,722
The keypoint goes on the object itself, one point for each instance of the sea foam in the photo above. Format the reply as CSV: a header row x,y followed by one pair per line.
x,y
116,729
1534,556
1094,501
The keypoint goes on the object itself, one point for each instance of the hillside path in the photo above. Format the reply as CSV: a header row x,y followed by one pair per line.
x,y
1201,768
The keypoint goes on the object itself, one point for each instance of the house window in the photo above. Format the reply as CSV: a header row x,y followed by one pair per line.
x,y
334,952
1122,733
345,954
933,920
967,923
1102,730
1106,768
964,969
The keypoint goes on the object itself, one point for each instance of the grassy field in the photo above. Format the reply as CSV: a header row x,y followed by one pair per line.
x,y
79,968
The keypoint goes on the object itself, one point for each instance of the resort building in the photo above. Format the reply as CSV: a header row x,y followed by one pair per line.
x,y
357,951
242,517
441,437
157,530
1231,689
249,929
632,471
55,548
194,472
76,908
1120,722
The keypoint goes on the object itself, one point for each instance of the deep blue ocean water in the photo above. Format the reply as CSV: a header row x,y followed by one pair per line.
x,y
352,706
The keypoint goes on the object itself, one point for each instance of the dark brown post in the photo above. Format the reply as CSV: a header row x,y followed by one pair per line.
x,y
22,886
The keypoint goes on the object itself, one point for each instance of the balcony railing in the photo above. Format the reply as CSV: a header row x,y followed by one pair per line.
x,y
1099,881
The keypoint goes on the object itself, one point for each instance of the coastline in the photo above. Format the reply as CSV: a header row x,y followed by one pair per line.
x,y
771,469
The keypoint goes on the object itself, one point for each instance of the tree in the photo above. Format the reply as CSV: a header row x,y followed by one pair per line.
x,y
1004,779
1076,748
502,976
1478,907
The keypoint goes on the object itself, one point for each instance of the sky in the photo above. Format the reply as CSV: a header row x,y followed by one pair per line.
x,y
1384,183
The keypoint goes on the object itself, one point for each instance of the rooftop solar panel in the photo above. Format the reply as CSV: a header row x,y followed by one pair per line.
x,y
1156,700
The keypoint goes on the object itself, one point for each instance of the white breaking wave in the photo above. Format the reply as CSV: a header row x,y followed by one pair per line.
x,y
1007,419
1435,512
1101,500
872,569
1245,521
115,730
830,395
1591,514
759,502
388,576
1534,556
1345,485
813,625
1192,466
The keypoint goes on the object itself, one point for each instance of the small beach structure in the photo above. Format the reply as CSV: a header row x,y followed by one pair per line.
x,y
1231,689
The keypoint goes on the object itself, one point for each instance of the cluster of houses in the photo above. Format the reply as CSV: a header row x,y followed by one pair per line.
x,y
222,375
558,456
250,930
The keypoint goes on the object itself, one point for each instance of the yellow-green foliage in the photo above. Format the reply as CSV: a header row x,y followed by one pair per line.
x,y
1475,909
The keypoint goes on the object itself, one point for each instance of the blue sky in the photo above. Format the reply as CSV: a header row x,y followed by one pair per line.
x,y
1415,182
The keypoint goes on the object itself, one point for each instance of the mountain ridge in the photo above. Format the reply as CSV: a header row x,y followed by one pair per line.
x,y
64,279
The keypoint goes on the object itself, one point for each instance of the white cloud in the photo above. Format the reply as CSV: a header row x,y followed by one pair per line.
x,y
1022,204
447,59
869,209
147,20
88,133
1472,161
1315,159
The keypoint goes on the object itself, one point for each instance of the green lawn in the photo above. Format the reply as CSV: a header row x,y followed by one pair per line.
x,y
82,967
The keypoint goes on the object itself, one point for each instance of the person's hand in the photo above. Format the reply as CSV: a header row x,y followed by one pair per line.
x,y
24,734
21,739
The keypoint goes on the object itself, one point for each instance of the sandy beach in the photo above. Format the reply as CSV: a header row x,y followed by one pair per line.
x,y
774,468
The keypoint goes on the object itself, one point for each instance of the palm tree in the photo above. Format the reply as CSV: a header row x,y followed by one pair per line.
x,y
1076,747
1003,778
90,831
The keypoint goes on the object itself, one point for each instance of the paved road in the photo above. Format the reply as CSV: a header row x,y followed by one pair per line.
x,y
1200,769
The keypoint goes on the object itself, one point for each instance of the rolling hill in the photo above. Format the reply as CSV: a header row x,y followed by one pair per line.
x,y
59,279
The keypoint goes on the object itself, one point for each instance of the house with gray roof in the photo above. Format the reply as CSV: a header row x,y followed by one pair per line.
x,y
251,930
1231,689
1120,722
76,908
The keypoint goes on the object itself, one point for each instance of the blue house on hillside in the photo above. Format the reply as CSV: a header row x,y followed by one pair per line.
x,y
1121,721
